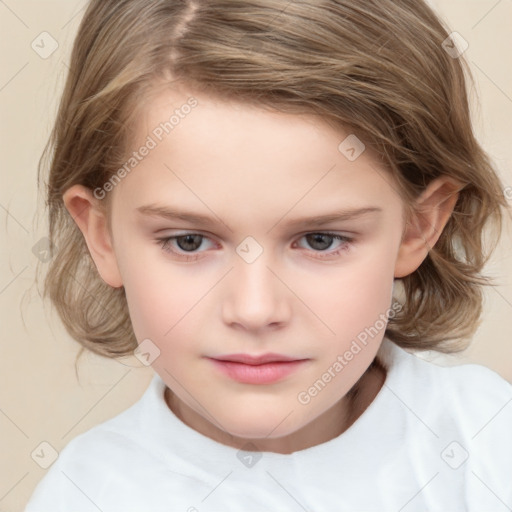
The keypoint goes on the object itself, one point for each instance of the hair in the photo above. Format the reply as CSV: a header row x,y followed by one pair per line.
x,y
376,68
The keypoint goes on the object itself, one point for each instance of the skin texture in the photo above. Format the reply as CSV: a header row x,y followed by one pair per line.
x,y
253,171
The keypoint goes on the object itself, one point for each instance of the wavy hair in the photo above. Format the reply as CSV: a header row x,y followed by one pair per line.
x,y
378,68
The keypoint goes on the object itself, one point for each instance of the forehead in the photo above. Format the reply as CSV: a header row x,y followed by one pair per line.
x,y
169,112
210,151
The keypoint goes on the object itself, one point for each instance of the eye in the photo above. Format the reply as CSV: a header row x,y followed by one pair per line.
x,y
189,243
322,241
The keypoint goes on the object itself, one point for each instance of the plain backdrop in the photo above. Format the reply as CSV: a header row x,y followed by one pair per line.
x,y
42,398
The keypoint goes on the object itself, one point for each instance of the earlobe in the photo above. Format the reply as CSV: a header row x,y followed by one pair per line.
x,y
432,210
91,219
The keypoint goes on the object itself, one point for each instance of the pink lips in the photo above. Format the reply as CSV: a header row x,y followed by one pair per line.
x,y
257,369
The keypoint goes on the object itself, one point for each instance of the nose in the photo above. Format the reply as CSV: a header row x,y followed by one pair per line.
x,y
255,298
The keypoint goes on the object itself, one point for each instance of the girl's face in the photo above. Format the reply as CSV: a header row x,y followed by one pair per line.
x,y
261,271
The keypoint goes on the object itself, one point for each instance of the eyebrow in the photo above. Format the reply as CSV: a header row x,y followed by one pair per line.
x,y
155,210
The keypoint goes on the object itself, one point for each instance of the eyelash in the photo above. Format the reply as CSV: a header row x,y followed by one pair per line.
x,y
165,242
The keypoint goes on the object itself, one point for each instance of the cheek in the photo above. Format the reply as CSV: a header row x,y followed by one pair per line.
x,y
158,296
167,304
370,298
351,297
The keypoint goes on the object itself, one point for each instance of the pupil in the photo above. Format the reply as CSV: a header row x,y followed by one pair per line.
x,y
319,237
188,241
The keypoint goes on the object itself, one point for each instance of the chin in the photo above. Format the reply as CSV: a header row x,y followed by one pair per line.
x,y
260,425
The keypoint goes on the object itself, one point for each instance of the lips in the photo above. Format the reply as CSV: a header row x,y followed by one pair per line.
x,y
262,369
256,360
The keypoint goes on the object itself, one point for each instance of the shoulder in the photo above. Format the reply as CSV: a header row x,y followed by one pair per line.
x,y
114,442
452,423
94,464
479,401
470,385
465,399
84,470
467,402
470,411
476,384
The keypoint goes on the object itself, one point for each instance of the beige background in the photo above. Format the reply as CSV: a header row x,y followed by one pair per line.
x,y
41,399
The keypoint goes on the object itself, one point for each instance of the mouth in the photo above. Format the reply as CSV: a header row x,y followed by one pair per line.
x,y
262,369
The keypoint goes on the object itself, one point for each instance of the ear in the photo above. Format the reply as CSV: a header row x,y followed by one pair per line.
x,y
90,217
432,211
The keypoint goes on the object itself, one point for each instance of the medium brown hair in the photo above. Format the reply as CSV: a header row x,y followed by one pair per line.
x,y
377,68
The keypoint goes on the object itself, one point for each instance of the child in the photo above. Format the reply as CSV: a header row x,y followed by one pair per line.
x,y
261,131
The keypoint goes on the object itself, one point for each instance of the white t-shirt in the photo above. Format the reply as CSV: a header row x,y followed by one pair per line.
x,y
434,439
